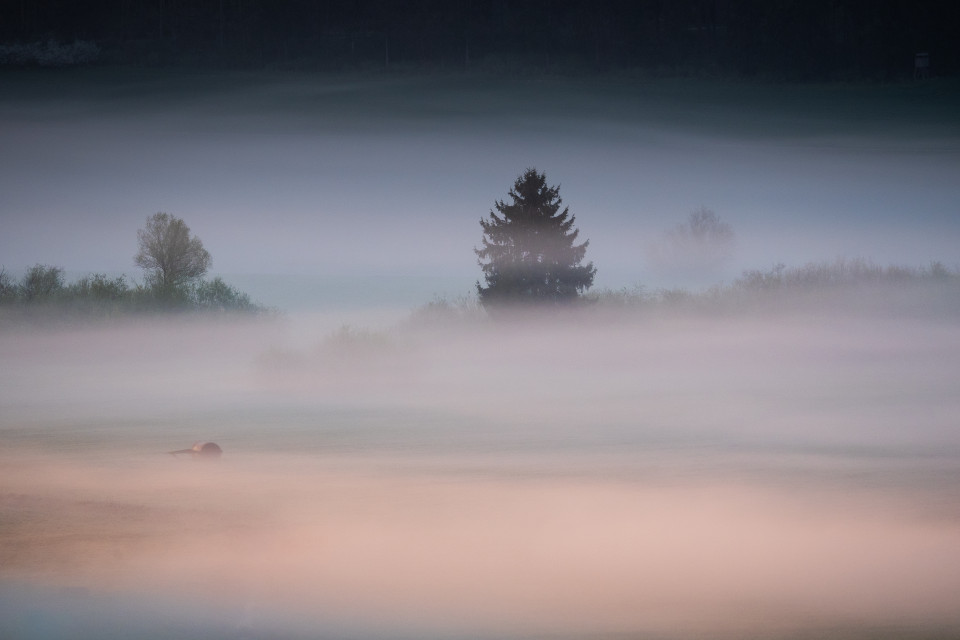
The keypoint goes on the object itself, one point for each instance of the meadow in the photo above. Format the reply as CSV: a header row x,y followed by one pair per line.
x,y
758,451
615,471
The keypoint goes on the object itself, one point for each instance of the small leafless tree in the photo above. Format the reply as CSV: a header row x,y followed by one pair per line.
x,y
702,243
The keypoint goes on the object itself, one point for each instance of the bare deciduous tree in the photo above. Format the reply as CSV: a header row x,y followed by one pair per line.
x,y
701,244
169,255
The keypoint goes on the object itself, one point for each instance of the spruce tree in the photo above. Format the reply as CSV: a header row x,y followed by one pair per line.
x,y
529,253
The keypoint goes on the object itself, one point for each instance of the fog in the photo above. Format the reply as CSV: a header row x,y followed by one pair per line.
x,y
761,471
319,192
677,475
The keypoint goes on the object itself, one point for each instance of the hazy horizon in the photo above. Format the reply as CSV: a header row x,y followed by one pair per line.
x,y
325,177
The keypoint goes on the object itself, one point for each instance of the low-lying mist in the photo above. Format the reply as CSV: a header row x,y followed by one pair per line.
x,y
676,472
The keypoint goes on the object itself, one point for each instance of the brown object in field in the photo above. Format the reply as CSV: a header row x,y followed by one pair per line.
x,y
204,449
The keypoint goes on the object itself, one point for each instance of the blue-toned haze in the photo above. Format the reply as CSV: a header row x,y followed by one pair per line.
x,y
319,192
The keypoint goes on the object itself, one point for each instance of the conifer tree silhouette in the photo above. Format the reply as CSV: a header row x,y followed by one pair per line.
x,y
529,253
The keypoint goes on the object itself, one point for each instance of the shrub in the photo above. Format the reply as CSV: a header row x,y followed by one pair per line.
x,y
99,287
41,282
347,342
217,295
8,289
441,312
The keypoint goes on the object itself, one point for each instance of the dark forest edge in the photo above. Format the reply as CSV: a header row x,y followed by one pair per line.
x,y
844,40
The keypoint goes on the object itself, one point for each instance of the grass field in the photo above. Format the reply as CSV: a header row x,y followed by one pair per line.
x,y
773,460
672,477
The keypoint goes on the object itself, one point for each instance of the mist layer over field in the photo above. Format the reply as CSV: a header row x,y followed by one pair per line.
x,y
319,192
665,475
670,474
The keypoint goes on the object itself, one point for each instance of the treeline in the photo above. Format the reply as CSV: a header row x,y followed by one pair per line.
x,y
855,285
779,39
44,292
842,286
